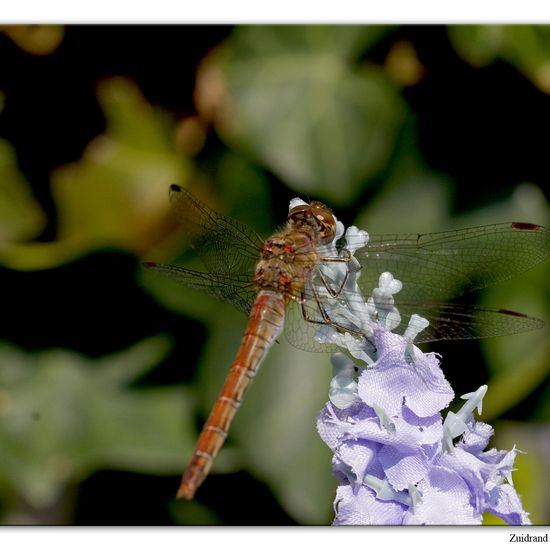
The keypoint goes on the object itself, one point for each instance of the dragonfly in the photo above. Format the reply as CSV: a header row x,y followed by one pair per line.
x,y
282,281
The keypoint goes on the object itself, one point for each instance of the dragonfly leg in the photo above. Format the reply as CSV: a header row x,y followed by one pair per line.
x,y
333,293
346,258
326,318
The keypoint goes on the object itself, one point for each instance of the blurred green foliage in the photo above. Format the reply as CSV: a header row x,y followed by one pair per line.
x,y
115,195
280,111
63,417
524,46
35,39
21,218
301,104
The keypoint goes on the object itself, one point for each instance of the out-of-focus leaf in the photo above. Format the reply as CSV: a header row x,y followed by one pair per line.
x,y
21,218
478,44
62,416
531,465
542,412
274,40
524,46
242,185
519,362
519,374
192,513
527,203
35,39
413,199
275,430
295,99
116,195
403,65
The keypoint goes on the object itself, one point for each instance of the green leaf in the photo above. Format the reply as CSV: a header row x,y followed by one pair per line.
x,y
347,41
21,218
302,106
62,416
477,44
117,194
530,466
192,513
413,199
524,46
242,185
35,39
519,363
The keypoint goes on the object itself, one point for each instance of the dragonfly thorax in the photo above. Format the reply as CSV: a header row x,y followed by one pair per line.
x,y
286,261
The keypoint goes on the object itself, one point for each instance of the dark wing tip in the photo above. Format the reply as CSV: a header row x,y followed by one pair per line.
x,y
524,226
534,322
512,313
175,188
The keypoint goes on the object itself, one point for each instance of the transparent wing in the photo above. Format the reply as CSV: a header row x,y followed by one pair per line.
x,y
465,321
436,267
224,245
301,333
433,268
236,290
448,321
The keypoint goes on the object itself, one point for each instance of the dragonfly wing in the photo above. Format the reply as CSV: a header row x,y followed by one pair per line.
x,y
447,322
435,267
223,244
236,290
466,321
301,333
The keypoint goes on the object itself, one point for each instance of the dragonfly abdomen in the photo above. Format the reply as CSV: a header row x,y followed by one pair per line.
x,y
264,326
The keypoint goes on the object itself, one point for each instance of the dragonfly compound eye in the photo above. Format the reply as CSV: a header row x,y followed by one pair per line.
x,y
325,221
317,215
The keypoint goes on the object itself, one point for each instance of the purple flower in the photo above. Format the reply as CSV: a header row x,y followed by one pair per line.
x,y
398,460
395,456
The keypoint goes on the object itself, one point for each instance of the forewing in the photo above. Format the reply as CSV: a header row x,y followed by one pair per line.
x,y
435,267
225,246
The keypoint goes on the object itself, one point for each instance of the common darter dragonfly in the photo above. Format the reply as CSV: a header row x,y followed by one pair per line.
x,y
288,278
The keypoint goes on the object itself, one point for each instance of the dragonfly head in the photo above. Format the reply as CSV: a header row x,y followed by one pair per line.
x,y
316,215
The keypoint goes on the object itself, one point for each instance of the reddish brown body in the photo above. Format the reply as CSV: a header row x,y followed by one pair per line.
x,y
286,262
264,325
